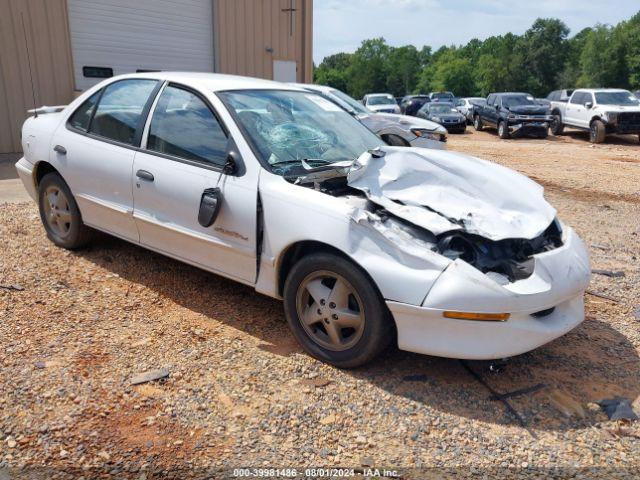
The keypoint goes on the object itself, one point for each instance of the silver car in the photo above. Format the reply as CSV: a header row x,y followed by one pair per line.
x,y
396,130
466,106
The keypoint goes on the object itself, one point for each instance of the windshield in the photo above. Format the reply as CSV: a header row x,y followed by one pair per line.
x,y
380,100
285,127
517,100
443,95
352,103
617,98
440,108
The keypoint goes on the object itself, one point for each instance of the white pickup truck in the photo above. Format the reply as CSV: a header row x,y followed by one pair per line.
x,y
601,111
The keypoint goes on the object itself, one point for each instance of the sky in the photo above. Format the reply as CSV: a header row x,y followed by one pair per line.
x,y
341,25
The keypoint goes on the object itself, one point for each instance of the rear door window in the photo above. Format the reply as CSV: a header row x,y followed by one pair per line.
x,y
82,116
120,109
184,126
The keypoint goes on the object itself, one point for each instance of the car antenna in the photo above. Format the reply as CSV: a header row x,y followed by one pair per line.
x,y
26,44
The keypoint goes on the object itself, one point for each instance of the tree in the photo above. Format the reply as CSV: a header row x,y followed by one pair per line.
x,y
544,58
602,60
404,67
333,71
544,50
369,68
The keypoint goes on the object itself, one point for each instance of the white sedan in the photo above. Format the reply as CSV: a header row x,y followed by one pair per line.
x,y
280,189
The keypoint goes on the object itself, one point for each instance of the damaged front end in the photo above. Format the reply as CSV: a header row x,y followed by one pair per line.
x,y
456,206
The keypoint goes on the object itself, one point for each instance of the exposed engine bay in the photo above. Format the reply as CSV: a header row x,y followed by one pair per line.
x,y
504,259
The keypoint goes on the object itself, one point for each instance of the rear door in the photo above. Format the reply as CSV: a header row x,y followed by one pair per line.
x,y
185,148
95,148
572,110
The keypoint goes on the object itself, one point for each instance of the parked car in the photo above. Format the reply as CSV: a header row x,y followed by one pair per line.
x,y
466,106
278,188
445,114
442,97
381,103
560,95
513,113
412,103
398,130
601,111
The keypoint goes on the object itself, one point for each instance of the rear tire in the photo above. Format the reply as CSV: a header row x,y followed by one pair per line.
x,y
597,132
503,130
345,321
60,214
477,123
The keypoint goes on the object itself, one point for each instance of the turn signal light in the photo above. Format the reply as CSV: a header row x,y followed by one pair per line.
x,y
483,317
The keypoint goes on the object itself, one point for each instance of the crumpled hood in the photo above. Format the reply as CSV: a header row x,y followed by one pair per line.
x,y
443,191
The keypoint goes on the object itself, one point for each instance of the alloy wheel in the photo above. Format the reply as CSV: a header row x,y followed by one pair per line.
x,y
330,310
56,209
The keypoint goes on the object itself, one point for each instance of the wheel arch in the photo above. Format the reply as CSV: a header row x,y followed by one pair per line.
x,y
298,250
41,169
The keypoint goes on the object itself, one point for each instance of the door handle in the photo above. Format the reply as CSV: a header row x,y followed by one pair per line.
x,y
144,175
60,149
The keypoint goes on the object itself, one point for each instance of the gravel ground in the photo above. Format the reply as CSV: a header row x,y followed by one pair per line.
x,y
241,392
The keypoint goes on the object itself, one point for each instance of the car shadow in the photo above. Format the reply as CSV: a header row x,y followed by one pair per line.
x,y
610,140
592,362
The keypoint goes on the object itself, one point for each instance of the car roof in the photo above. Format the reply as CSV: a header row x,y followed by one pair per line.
x,y
507,94
594,90
378,95
313,86
213,81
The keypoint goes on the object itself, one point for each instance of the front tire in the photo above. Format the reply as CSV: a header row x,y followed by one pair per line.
x,y
503,130
335,311
477,123
60,214
597,132
557,127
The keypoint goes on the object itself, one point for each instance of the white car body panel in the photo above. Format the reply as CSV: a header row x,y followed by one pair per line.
x,y
416,282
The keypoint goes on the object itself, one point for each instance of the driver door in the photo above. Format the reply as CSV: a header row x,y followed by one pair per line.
x,y
185,148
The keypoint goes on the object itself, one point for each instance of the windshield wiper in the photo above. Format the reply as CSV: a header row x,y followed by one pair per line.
x,y
300,160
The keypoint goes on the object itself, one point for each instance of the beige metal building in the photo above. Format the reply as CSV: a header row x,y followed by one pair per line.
x,y
73,44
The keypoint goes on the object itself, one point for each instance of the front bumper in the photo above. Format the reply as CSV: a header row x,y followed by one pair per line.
x,y
455,127
523,128
556,287
25,172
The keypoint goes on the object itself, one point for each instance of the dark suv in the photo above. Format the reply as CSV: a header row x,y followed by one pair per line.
x,y
513,113
410,104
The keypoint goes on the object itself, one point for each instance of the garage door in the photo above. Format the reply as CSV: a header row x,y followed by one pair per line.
x,y
125,36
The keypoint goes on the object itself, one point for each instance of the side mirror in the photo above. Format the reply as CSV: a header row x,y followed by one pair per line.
x,y
588,105
231,165
497,107
210,204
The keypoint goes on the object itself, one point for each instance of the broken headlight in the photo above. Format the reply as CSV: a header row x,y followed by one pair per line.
x,y
511,257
